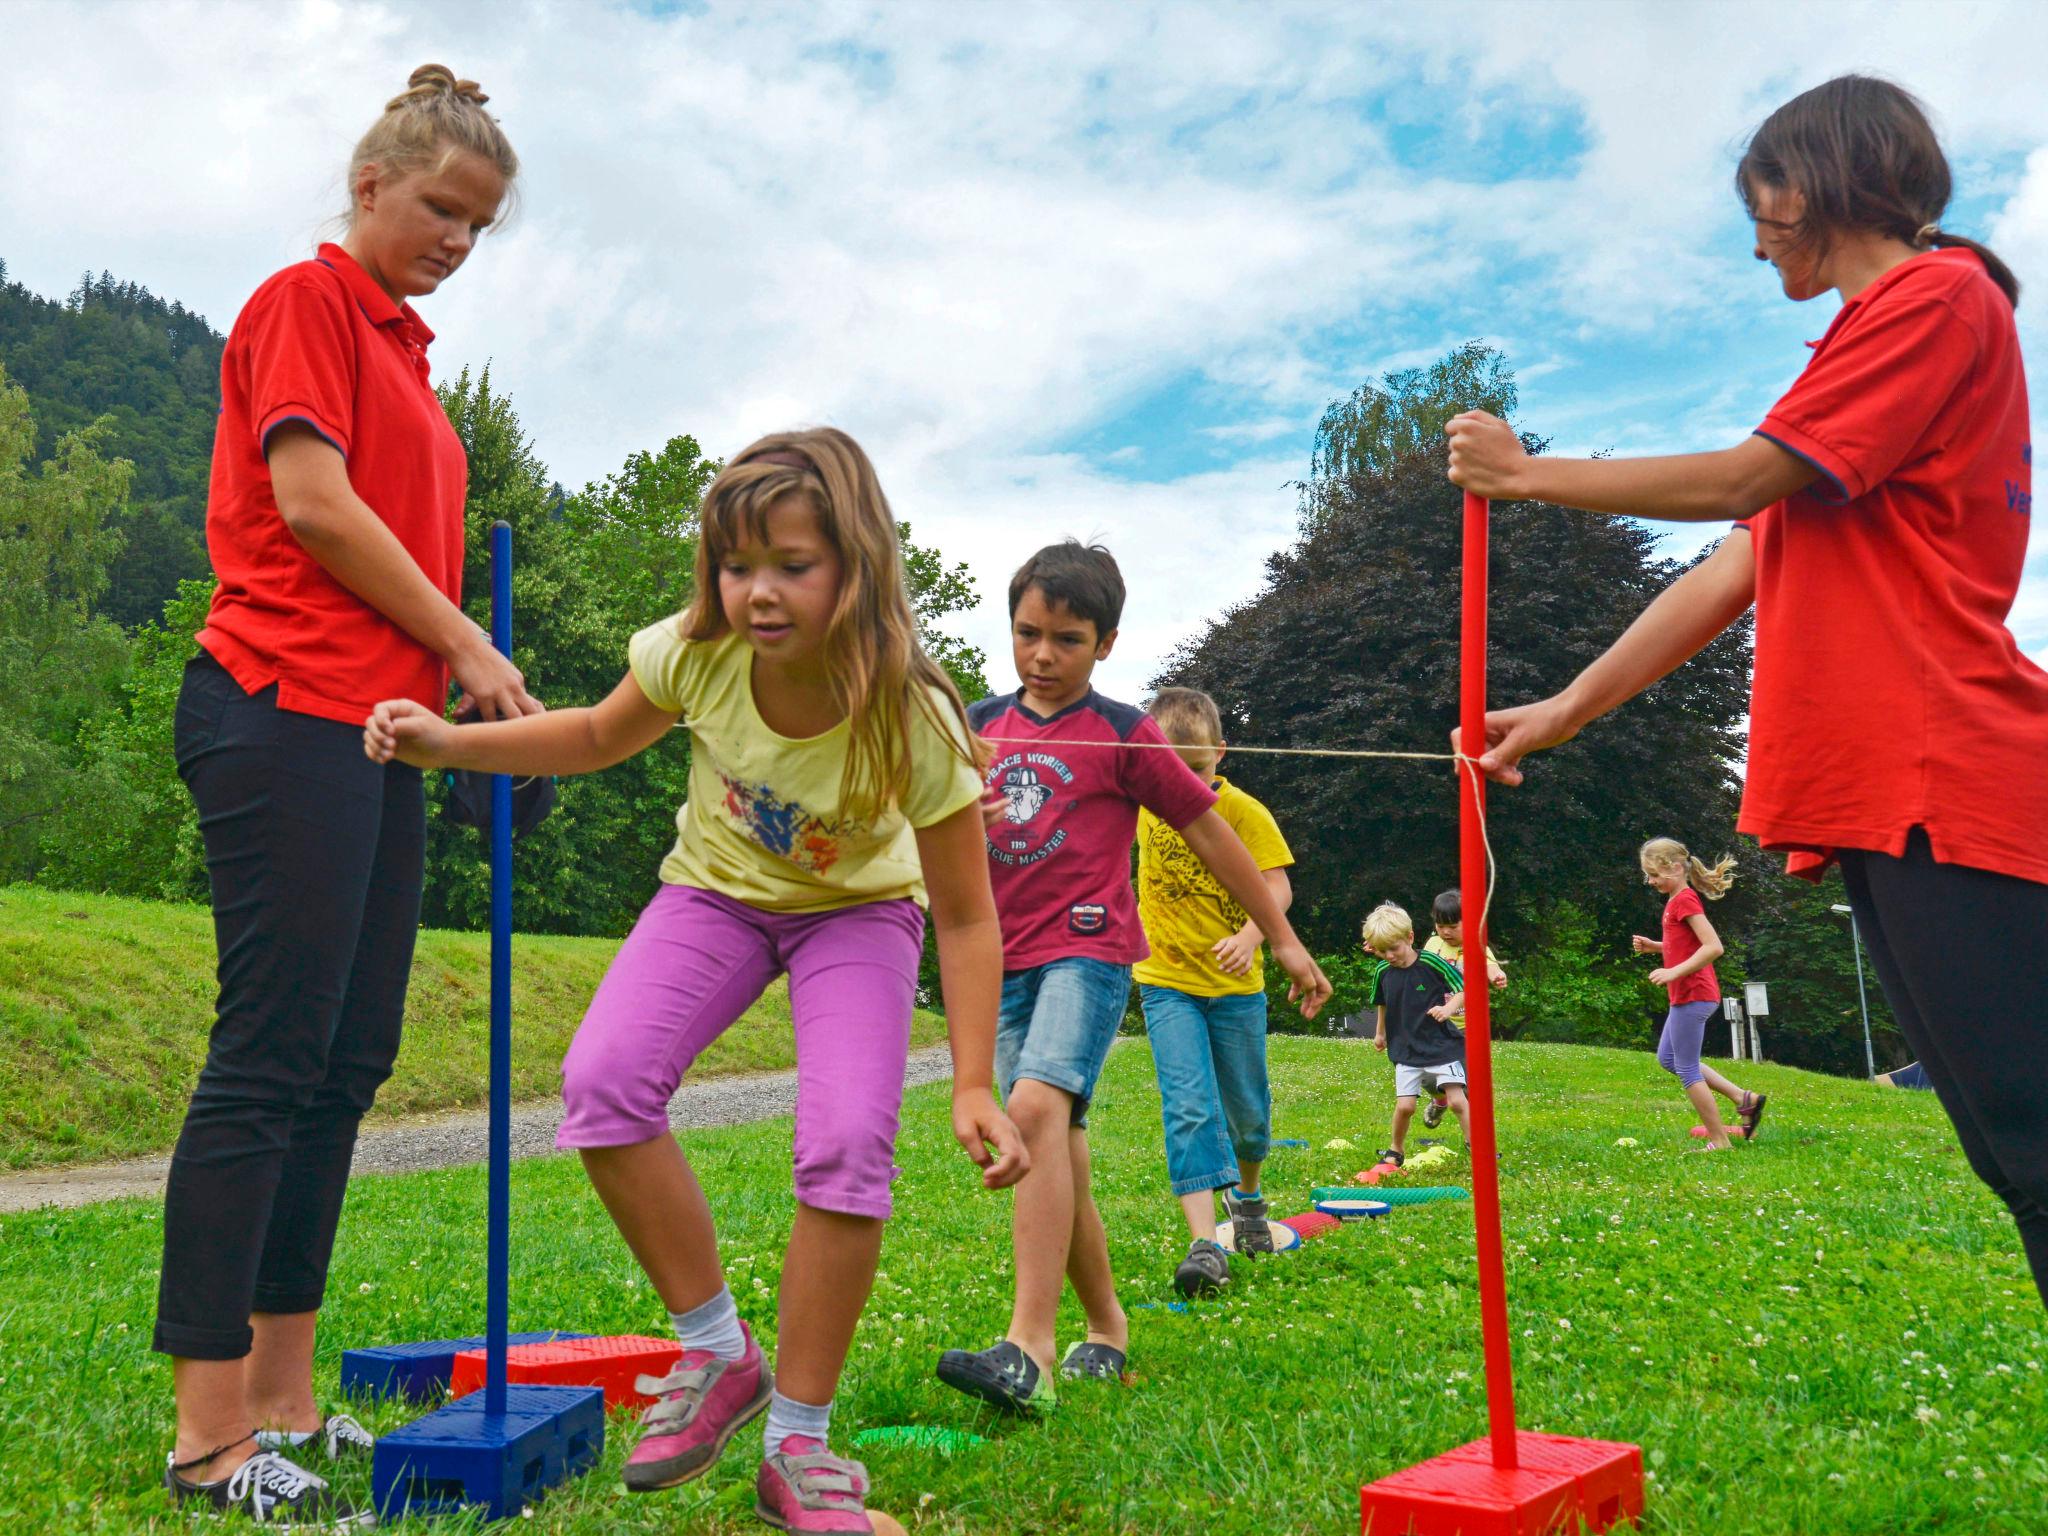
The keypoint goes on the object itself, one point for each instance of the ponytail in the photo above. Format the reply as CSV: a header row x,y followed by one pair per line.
x,y
1711,881
1936,238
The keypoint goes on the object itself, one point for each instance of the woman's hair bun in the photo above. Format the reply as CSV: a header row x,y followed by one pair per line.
x,y
438,80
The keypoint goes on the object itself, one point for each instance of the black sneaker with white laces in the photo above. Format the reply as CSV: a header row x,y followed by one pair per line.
x,y
340,1438
272,1491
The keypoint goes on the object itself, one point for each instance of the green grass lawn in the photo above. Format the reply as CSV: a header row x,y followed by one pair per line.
x,y
105,1005
1828,1331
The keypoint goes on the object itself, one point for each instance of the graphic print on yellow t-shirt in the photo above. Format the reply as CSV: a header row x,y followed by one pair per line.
x,y
1185,910
762,824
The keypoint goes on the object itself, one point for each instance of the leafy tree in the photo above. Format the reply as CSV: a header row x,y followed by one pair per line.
x,y
135,831
1354,644
1379,426
59,664
148,370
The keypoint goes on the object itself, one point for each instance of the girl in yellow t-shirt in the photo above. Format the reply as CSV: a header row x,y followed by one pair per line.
x,y
832,781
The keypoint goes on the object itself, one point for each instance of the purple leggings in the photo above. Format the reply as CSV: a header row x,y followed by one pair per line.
x,y
1685,1031
694,962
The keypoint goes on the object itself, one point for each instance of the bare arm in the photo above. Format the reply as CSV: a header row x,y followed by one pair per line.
x,y
954,853
1709,951
562,741
1217,846
1488,459
352,544
1235,952
1677,625
1379,1027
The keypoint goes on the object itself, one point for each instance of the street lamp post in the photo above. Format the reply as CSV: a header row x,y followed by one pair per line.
x,y
1862,998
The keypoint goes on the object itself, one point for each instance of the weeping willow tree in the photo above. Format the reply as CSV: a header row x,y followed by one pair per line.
x,y
1379,425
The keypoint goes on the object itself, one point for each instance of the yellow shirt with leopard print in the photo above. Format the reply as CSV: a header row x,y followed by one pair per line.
x,y
1185,909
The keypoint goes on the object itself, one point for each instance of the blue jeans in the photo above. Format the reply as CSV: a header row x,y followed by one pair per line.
x,y
1210,1056
1057,1023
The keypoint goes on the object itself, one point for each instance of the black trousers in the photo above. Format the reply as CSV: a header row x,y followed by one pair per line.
x,y
1962,955
316,857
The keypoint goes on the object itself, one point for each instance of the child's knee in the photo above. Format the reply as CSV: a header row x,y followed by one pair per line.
x,y
845,1159
1404,1104
605,1104
1039,1109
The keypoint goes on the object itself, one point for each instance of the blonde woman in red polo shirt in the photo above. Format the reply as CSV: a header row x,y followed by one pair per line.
x,y
334,522
1883,508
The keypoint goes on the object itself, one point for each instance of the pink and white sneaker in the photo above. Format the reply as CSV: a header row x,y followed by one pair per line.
x,y
698,1407
804,1487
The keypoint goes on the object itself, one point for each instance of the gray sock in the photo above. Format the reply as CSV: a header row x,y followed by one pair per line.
x,y
714,1326
787,1417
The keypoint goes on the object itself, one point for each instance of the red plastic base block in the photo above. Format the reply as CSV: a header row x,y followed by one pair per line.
x,y
1563,1485
1311,1224
611,1363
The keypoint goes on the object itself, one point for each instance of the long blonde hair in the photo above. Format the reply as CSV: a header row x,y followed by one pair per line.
x,y
1711,882
435,118
878,669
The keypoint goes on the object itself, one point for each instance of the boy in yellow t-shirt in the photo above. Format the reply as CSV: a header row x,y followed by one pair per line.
x,y
1204,994
1447,918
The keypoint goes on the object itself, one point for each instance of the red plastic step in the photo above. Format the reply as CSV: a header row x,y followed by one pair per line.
x,y
1311,1224
1564,1484
1609,1472
610,1362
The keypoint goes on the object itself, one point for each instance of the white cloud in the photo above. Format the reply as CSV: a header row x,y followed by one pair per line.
x,y
969,242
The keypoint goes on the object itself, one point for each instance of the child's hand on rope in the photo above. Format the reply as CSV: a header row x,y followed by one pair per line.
x,y
1236,953
407,731
1308,986
978,1125
1511,734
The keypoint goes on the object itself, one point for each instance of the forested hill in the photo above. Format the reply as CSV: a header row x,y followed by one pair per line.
x,y
151,366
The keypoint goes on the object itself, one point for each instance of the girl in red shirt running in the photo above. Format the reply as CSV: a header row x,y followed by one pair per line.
x,y
1883,509
334,522
1689,949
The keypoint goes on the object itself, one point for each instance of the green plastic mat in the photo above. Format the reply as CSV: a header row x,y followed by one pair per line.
x,y
1421,1194
930,1437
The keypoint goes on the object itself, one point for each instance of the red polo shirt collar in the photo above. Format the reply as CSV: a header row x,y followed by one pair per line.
x,y
382,309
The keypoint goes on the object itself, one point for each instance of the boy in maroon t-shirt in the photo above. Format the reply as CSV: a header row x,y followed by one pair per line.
x,y
1068,773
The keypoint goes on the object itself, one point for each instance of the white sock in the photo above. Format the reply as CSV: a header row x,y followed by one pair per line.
x,y
787,1416
714,1326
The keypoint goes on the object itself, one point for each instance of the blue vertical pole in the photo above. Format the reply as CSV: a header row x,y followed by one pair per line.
x,y
498,1238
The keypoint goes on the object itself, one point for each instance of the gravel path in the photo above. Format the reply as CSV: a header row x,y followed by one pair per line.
x,y
451,1140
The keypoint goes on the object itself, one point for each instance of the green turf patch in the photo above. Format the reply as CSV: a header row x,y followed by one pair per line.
x,y
105,1005
1828,1331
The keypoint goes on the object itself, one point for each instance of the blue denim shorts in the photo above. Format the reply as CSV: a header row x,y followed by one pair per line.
x,y
1210,1057
1057,1023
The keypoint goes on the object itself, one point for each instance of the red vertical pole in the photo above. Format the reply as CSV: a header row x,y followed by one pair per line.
x,y
1493,1285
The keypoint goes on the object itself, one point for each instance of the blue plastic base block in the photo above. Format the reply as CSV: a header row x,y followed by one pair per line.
x,y
416,1372
460,1457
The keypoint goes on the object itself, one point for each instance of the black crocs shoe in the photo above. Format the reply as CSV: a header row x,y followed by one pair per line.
x,y
1002,1375
1204,1272
1086,1361
1249,1230
272,1491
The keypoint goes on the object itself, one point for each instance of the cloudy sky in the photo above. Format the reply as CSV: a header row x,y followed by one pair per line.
x,y
1090,269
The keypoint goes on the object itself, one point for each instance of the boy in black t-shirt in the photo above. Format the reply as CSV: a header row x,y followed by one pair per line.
x,y
1415,997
